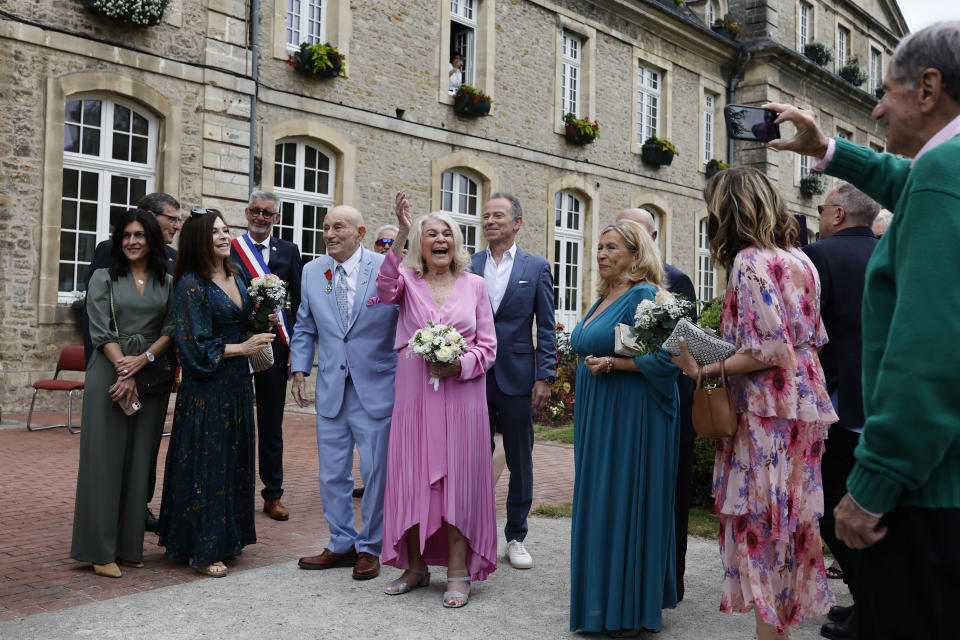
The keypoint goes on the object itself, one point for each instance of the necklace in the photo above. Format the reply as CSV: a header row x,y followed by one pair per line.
x,y
140,282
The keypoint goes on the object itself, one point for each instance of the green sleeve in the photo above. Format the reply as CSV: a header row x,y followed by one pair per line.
x,y
879,175
909,319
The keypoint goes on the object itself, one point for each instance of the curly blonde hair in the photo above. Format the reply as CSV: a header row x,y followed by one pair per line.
x,y
459,258
746,210
646,265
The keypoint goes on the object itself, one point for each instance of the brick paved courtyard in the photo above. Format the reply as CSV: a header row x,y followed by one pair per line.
x,y
38,479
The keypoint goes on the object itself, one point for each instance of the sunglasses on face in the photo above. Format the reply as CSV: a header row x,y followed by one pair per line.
x,y
385,242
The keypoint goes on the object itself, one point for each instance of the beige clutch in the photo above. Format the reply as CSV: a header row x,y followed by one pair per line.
x,y
625,340
262,359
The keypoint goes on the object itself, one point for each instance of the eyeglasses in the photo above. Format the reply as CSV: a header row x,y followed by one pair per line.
x,y
821,207
257,211
174,219
384,242
200,212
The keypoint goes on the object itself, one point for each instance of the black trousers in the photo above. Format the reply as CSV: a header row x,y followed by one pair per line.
x,y
512,416
836,466
909,582
271,390
681,508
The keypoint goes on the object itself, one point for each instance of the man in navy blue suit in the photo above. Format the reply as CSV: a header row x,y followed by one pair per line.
x,y
520,287
677,282
841,256
253,251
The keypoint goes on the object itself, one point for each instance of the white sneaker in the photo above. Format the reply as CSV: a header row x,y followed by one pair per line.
x,y
518,556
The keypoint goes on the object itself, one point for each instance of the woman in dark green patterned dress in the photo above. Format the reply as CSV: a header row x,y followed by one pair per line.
x,y
208,489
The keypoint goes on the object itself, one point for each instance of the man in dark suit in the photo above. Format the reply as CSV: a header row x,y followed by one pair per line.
x,y
520,286
166,210
841,256
679,283
257,252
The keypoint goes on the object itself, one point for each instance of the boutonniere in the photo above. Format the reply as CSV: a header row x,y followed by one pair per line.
x,y
372,301
329,276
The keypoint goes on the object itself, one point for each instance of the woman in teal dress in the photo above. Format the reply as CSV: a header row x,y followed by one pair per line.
x,y
207,510
116,450
626,439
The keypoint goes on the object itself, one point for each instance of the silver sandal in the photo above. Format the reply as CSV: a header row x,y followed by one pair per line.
x,y
456,594
401,586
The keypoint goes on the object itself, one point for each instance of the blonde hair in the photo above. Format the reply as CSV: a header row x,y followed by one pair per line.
x,y
459,260
746,210
646,265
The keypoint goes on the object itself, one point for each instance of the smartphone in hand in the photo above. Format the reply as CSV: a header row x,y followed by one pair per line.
x,y
751,123
129,406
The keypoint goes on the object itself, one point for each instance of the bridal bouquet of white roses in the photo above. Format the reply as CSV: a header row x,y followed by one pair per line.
x,y
437,343
654,320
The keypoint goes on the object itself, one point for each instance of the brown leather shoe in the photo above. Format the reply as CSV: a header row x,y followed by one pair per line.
x,y
328,560
276,510
366,567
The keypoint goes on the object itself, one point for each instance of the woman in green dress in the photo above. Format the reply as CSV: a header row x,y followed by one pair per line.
x,y
625,451
207,510
116,449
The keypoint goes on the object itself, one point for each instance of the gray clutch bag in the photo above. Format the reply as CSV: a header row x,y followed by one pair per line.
x,y
703,344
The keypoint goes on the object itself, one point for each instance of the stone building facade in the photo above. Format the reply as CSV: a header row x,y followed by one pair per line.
x,y
205,106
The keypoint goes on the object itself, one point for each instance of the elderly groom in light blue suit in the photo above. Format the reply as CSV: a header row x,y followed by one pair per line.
x,y
340,313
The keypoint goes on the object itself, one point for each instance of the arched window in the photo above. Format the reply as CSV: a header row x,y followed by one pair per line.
x,y
706,274
713,11
304,175
460,197
569,214
109,164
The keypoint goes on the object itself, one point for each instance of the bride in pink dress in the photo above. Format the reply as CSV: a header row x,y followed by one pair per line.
x,y
439,504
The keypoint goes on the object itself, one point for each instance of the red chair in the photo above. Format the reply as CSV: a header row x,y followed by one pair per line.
x,y
71,359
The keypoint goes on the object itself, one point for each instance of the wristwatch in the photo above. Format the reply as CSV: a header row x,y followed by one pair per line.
x,y
550,380
150,356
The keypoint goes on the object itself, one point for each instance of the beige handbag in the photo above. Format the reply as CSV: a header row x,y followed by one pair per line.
x,y
262,359
714,415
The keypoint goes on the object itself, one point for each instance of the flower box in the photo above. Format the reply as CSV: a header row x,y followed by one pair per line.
x,y
819,53
813,184
726,27
471,102
141,12
657,151
853,73
319,60
579,131
714,167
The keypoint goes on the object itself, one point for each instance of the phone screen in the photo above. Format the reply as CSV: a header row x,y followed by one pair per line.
x,y
751,123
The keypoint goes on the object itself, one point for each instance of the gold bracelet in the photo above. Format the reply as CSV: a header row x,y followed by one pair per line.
x,y
609,364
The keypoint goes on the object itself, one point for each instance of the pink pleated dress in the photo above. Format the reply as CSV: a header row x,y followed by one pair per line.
x,y
439,466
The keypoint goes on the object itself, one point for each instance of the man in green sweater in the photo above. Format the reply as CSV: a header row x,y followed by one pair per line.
x,y
903,495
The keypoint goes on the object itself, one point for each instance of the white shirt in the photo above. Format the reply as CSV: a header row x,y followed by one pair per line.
x,y
497,276
266,248
352,268
456,79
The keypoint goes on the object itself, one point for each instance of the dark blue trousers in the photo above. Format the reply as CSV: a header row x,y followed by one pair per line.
x,y
512,416
271,390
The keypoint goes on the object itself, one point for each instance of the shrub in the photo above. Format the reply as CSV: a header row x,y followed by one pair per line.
x,y
559,408
853,73
813,184
661,144
819,53
145,12
318,59
582,126
702,478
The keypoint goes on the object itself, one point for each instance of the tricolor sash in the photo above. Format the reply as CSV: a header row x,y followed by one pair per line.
x,y
253,261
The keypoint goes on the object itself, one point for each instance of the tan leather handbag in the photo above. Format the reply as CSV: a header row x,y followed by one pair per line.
x,y
714,415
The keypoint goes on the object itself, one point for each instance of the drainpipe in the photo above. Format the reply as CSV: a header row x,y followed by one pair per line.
x,y
255,75
743,59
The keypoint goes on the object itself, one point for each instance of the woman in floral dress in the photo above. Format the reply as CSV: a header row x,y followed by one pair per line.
x,y
767,484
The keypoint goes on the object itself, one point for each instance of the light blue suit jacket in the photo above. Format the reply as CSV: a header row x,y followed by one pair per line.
x,y
364,347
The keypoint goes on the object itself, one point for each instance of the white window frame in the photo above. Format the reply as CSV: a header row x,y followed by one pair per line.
x,y
570,210
294,199
571,73
305,26
467,217
706,273
709,111
105,167
804,25
464,13
649,101
876,68
804,166
843,45
711,12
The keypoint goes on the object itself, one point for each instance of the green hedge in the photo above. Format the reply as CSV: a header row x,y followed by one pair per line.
x,y
703,454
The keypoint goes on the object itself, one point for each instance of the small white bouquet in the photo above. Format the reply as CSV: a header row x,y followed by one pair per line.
x,y
653,322
268,294
437,343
